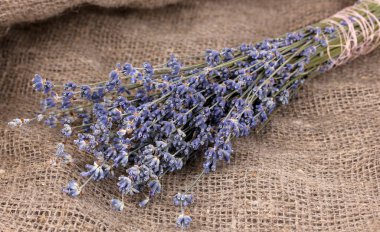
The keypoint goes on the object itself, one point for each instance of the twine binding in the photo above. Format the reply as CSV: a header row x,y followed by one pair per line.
x,y
350,42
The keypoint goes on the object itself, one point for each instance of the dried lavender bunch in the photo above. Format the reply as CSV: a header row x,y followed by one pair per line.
x,y
149,121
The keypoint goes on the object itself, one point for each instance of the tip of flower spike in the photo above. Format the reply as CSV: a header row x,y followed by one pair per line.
x,y
184,221
37,77
60,152
38,83
113,75
72,189
144,202
40,117
117,205
66,130
15,123
60,149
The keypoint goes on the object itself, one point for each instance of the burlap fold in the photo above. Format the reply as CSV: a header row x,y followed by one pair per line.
x,y
316,167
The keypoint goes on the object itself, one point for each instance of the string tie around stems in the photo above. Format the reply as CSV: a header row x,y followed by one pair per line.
x,y
359,31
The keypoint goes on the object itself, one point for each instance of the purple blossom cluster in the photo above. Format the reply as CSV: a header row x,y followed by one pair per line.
x,y
149,121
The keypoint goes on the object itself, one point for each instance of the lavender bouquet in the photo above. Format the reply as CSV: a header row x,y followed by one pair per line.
x,y
148,121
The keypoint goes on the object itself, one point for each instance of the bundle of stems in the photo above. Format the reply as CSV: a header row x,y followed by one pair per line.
x,y
152,120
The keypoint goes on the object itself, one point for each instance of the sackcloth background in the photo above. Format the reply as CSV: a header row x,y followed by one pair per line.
x,y
315,167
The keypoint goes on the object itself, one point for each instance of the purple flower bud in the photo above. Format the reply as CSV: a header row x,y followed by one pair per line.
x,y
72,189
38,84
144,202
117,204
66,130
183,221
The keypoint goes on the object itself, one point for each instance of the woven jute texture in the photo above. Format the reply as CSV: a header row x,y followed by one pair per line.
x,y
315,167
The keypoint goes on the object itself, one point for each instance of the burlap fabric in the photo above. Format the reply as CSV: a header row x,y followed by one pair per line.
x,y
316,166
